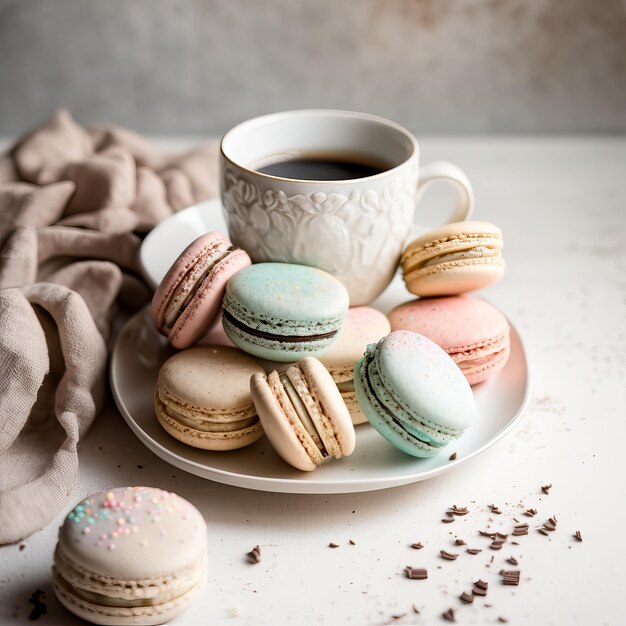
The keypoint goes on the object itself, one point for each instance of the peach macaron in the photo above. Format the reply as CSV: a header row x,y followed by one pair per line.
x,y
473,332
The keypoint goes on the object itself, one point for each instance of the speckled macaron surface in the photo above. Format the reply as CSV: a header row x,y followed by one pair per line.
x,y
303,414
202,398
132,555
362,326
413,393
473,332
284,312
454,259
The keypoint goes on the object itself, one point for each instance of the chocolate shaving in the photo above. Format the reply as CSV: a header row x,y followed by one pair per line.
x,y
449,556
459,542
503,620
398,615
530,512
449,615
512,560
457,510
481,584
496,545
473,550
39,606
501,535
333,545
468,598
415,609
479,591
452,457
351,542
447,520
254,556
578,536
520,529
550,523
546,488
510,577
417,546
416,573
484,533
543,531
494,509
22,546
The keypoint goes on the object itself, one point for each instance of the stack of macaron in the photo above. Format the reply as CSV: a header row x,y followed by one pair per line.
x,y
294,362
440,267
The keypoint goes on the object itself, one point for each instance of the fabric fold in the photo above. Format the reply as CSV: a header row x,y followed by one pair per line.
x,y
74,203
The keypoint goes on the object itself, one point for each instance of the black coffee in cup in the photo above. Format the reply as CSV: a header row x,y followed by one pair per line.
x,y
332,166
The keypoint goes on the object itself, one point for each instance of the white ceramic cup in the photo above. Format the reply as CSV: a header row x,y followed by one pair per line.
x,y
355,229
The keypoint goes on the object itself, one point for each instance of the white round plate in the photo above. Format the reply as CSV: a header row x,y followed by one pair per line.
x,y
139,352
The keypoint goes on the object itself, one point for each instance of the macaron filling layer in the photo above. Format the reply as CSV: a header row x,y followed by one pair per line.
x,y
473,247
189,285
479,252
263,334
221,426
211,426
302,412
101,599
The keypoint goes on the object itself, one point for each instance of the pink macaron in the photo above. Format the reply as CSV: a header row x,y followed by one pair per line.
x,y
189,298
471,331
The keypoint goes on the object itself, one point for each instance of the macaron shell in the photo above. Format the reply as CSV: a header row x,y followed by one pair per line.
x,y
382,422
450,279
456,323
461,272
422,377
205,305
492,365
362,326
303,300
465,327
120,616
279,431
432,237
274,350
216,336
206,440
210,380
179,269
354,408
325,392
170,535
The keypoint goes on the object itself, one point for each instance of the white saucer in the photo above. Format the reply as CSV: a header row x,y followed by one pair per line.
x,y
139,352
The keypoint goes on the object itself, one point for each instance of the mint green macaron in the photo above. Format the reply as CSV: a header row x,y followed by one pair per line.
x,y
284,312
413,393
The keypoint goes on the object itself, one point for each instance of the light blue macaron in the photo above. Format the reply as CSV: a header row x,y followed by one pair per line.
x,y
284,312
413,393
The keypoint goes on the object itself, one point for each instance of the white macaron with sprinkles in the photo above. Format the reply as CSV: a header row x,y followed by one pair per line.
x,y
132,555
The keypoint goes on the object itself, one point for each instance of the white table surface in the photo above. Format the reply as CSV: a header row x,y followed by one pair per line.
x,y
561,203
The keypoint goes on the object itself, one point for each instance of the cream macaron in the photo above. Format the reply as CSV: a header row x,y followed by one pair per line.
x,y
454,259
202,397
133,555
303,414
364,325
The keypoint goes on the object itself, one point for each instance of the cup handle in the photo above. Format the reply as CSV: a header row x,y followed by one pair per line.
x,y
445,171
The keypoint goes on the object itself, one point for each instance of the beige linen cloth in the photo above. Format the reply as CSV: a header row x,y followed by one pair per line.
x,y
74,202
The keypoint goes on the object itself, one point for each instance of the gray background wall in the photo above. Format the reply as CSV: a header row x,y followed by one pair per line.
x,y
165,66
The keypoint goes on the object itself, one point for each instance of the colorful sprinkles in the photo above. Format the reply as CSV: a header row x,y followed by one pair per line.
x,y
121,512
